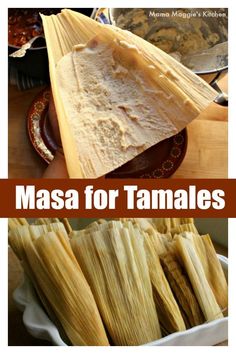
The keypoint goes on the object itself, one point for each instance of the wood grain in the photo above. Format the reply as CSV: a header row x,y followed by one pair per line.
x,y
207,152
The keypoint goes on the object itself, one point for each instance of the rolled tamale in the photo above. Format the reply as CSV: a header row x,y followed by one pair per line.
x,y
53,266
212,267
168,310
182,290
115,266
195,271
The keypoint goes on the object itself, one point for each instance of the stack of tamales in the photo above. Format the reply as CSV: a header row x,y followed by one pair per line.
x,y
47,258
121,282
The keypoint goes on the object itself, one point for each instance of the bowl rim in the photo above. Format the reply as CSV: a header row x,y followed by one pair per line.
x,y
16,47
27,301
201,72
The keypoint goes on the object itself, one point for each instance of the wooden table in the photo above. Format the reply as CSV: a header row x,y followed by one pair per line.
x,y
16,329
207,152
206,155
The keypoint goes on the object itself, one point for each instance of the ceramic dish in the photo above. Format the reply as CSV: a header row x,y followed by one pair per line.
x,y
159,161
40,326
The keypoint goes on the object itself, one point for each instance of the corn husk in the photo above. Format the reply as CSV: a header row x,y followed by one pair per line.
x,y
67,225
45,221
169,314
184,227
165,225
115,265
160,241
33,231
172,79
212,268
182,290
17,238
122,261
168,310
50,262
98,225
14,222
195,271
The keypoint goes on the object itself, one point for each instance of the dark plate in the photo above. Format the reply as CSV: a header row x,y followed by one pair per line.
x,y
159,161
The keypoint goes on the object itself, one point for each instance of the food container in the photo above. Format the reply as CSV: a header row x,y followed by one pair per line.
x,y
35,61
40,326
211,64
165,28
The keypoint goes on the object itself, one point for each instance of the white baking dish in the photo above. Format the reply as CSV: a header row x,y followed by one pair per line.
x,y
39,325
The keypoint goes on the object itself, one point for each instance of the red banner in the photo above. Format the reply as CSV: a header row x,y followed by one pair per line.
x,y
117,198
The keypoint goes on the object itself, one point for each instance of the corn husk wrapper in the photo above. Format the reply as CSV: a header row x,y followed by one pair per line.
x,y
165,225
45,221
68,29
168,310
160,241
182,290
184,228
115,265
17,236
212,267
65,221
51,263
196,274
14,222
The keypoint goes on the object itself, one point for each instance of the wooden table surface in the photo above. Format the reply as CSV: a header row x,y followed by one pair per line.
x,y
206,155
17,334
